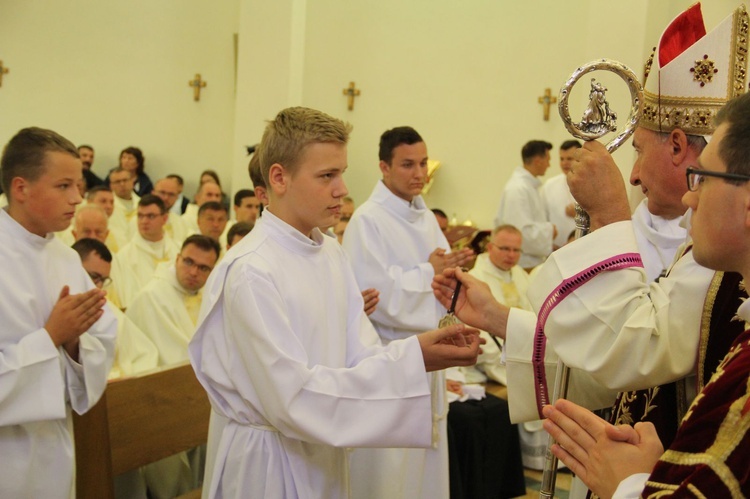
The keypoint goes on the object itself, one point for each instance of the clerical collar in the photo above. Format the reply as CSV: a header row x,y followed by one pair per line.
x,y
19,232
289,237
410,211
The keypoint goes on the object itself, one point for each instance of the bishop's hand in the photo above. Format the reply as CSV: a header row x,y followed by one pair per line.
x,y
475,304
596,183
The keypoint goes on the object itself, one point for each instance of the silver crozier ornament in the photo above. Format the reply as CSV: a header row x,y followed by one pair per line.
x,y
598,120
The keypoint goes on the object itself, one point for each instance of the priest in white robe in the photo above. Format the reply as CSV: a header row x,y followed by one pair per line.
x,y
136,263
103,197
208,191
169,189
396,246
57,338
167,308
121,181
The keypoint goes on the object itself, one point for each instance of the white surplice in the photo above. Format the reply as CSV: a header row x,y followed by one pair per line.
x,y
523,207
39,383
625,332
556,197
122,224
134,353
160,309
389,241
295,370
134,265
190,219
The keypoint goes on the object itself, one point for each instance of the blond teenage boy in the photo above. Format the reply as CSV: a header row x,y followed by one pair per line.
x,y
290,361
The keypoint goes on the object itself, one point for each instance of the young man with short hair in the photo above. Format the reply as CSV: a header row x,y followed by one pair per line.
x,y
292,366
57,338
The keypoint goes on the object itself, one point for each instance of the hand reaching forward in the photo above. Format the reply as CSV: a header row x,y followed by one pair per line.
x,y
600,454
475,305
441,260
455,345
72,316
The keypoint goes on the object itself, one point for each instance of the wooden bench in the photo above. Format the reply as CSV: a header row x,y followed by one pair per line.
x,y
138,421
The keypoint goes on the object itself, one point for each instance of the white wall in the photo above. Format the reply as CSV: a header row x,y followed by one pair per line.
x,y
467,75
115,74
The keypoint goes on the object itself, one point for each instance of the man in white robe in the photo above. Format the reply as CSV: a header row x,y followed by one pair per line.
x,y
136,262
166,309
396,247
168,189
208,191
284,348
523,207
122,181
57,337
558,201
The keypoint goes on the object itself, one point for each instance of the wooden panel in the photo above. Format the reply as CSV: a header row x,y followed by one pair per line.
x,y
93,463
156,416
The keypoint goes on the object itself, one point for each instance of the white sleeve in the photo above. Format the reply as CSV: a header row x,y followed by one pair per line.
x,y
522,390
406,298
627,333
631,487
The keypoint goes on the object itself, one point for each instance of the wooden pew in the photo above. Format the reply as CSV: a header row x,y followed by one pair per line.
x,y
138,421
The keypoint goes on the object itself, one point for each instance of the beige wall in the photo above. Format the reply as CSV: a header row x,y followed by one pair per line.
x,y
115,74
467,75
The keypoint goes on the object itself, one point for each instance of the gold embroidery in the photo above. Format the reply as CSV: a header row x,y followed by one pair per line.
x,y
704,70
705,328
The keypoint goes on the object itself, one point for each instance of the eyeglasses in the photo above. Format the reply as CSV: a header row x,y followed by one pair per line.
x,y
190,263
506,248
148,216
696,176
100,280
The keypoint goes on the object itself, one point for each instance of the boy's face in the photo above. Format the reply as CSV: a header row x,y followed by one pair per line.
x,y
311,197
48,204
406,174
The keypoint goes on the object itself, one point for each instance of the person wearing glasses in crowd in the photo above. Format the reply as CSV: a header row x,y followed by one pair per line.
x,y
166,310
135,353
136,262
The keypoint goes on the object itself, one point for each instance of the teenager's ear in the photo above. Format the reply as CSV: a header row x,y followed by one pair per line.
x,y
277,178
18,189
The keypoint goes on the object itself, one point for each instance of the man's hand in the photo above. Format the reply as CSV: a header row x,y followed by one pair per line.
x,y
598,453
475,305
72,316
371,297
441,260
455,345
597,184
454,386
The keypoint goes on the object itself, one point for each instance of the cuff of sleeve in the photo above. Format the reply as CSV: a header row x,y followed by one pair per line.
x,y
631,487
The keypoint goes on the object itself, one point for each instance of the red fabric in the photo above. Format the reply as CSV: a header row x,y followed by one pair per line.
x,y
682,33
696,471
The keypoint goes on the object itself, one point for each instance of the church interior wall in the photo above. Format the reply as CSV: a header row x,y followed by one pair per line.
x,y
467,76
115,74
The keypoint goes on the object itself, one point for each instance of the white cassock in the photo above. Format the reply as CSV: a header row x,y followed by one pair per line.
x,y
295,370
556,197
522,206
134,353
634,333
166,312
40,383
389,243
190,219
134,265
